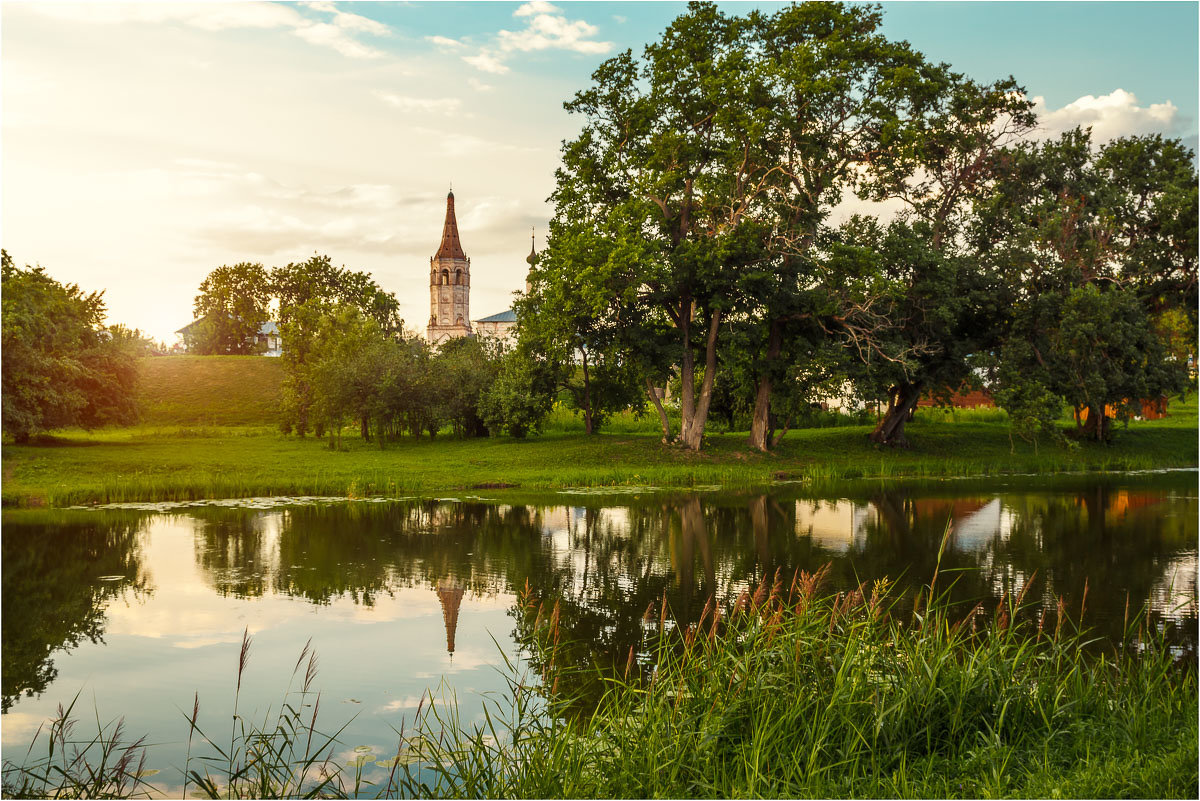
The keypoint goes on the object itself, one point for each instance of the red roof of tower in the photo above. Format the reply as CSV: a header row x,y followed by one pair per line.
x,y
450,247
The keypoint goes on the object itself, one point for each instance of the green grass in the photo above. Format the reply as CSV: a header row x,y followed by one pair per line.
x,y
181,463
791,694
209,390
209,432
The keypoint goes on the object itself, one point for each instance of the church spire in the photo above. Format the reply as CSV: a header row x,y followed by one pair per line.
x,y
450,248
532,260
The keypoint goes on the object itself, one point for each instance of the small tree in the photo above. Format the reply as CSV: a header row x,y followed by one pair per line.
x,y
519,399
308,292
231,308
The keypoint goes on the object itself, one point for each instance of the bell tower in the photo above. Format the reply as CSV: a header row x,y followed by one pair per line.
x,y
449,284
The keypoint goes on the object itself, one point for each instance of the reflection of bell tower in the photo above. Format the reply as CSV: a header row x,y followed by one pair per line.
x,y
450,593
449,284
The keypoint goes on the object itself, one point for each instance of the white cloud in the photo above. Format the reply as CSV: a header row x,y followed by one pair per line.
x,y
1110,116
445,42
441,105
478,85
536,7
338,33
554,32
546,28
486,61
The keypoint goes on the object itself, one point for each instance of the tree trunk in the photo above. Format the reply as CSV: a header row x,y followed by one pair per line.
x,y
695,427
587,395
779,437
662,413
694,537
364,428
1096,427
687,375
761,423
902,400
758,523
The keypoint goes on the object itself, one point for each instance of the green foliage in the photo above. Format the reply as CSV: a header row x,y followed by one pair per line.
x,y
1033,409
230,310
1099,268
579,326
343,370
1104,352
518,400
62,366
308,293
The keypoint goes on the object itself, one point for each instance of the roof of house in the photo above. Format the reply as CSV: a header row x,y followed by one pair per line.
x,y
270,327
506,316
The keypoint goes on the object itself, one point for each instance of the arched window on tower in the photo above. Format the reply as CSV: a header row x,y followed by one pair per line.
x,y
458,277
459,321
445,277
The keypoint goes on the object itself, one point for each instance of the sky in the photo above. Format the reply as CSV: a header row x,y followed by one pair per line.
x,y
145,144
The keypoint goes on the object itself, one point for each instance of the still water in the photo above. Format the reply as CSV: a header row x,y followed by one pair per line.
x,y
138,610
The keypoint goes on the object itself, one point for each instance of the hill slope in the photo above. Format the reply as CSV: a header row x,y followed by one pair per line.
x,y
210,390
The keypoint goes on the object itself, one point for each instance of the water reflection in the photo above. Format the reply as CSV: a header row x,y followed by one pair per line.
x,y
405,592
57,578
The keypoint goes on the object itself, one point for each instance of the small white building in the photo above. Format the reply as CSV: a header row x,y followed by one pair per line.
x,y
267,341
502,326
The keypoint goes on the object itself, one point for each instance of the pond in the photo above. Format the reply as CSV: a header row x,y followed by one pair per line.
x,y
140,610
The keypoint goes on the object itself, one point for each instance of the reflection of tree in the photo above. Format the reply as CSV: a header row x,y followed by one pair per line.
x,y
1098,539
610,564
231,550
59,570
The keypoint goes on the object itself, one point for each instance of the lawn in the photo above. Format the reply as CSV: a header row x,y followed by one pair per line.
x,y
163,462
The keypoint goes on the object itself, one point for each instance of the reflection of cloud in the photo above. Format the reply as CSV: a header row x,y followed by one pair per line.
x,y
21,726
412,702
835,525
1110,116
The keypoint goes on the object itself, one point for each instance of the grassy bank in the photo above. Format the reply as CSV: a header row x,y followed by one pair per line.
x,y
209,390
181,463
790,694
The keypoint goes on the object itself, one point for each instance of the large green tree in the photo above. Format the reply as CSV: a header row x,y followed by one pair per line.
x,y
663,152
948,302
840,105
1089,270
724,148
62,366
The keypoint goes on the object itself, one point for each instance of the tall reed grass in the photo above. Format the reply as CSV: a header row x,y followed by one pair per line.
x,y
797,694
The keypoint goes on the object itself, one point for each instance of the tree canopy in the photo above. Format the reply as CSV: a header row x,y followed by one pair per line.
x,y
62,365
